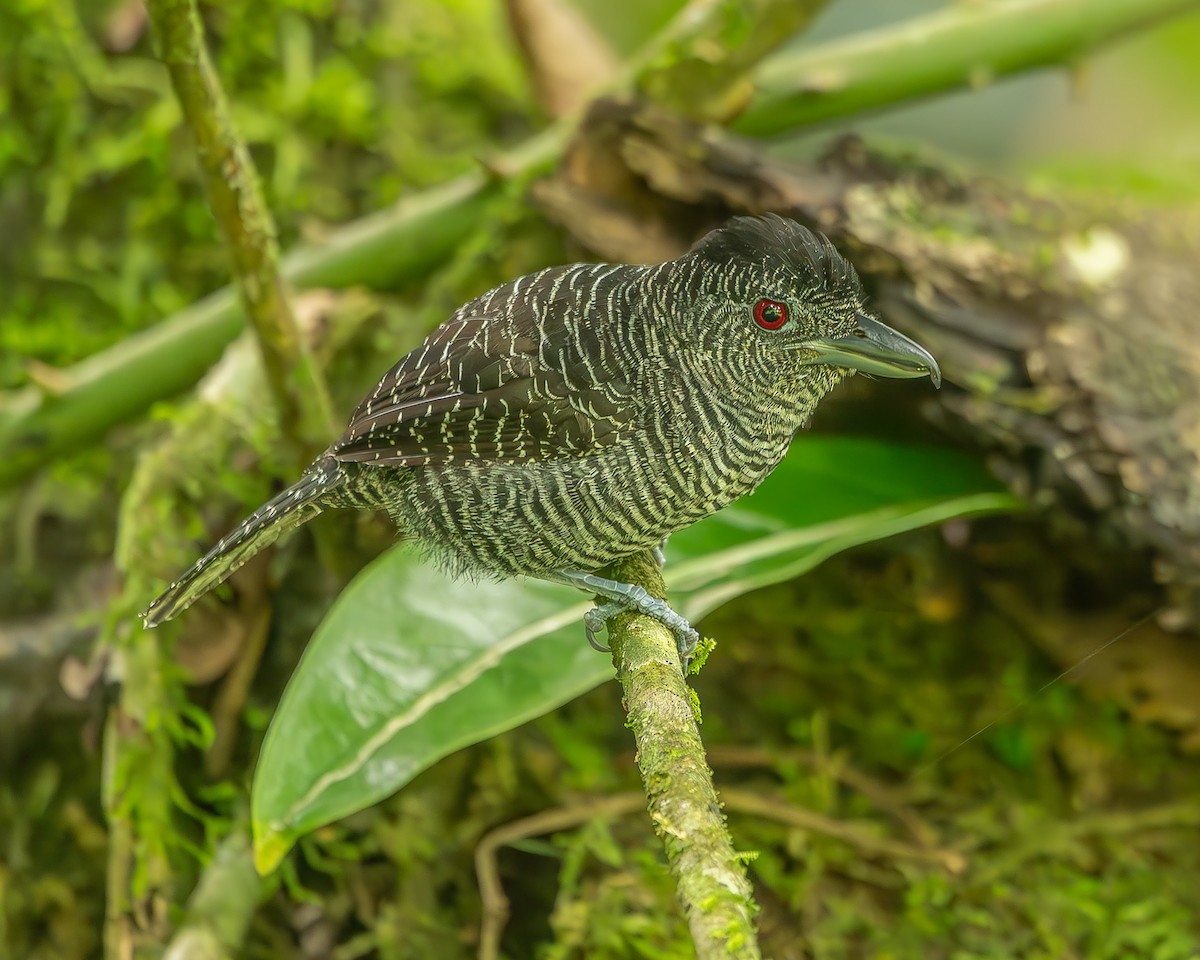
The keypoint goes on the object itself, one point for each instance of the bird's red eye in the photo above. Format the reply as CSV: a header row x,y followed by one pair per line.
x,y
770,314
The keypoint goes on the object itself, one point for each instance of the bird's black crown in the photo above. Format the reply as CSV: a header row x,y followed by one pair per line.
x,y
772,246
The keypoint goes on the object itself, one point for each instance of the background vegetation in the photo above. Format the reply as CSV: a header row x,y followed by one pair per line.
x,y
840,709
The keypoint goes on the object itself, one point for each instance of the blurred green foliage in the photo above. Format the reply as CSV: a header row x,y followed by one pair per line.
x,y
1063,814
346,107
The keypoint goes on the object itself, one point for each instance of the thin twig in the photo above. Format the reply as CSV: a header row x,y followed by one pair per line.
x,y
495,902
855,834
487,868
235,689
883,796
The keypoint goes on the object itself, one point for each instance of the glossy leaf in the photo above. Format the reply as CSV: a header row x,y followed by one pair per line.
x,y
410,665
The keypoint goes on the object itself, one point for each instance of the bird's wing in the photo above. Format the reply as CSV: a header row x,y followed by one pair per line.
x,y
483,389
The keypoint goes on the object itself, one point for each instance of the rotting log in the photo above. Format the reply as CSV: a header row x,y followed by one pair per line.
x,y
1067,330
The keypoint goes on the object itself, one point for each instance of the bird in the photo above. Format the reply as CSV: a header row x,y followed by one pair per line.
x,y
583,413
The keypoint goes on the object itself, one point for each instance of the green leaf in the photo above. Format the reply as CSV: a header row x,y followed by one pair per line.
x,y
410,665
829,494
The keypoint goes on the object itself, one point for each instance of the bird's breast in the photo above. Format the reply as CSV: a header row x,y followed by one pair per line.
x,y
709,449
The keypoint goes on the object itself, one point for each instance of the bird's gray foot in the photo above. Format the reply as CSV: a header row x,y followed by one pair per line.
x,y
623,597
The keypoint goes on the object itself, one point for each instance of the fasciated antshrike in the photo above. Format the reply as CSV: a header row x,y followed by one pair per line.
x,y
583,413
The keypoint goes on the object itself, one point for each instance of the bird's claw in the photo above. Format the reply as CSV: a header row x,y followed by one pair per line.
x,y
618,597
596,621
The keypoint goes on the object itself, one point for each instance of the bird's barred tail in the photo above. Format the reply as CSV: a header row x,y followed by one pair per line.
x,y
296,505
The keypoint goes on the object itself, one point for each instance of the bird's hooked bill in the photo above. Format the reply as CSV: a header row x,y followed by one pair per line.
x,y
876,348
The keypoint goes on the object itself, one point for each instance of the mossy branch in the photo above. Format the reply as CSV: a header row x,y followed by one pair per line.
x,y
139,748
963,45
710,878
235,197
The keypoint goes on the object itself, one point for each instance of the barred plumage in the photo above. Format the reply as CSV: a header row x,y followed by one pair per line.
x,y
583,413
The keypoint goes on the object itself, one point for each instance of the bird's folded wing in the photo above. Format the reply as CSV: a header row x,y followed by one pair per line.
x,y
481,390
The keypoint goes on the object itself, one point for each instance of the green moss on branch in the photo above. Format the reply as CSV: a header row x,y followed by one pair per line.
x,y
710,877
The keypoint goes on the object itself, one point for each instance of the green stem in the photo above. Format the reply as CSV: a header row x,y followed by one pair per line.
x,y
710,878
220,909
963,45
235,197
397,246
